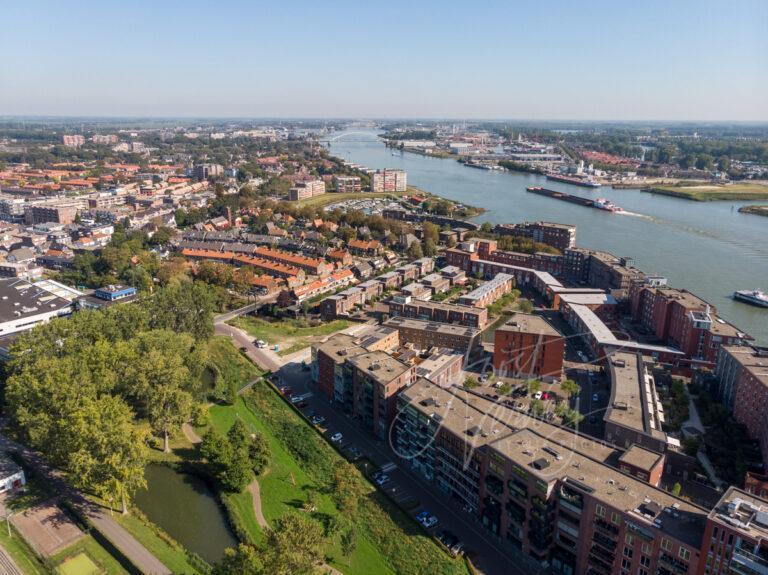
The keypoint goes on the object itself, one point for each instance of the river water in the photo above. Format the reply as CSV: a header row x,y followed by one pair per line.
x,y
708,248
187,509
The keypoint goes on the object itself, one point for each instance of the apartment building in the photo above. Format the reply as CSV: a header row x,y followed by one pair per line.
x,y
560,236
389,181
528,346
104,139
426,334
73,140
634,415
42,213
205,171
736,537
443,367
439,312
436,282
347,184
542,492
733,363
329,283
308,189
489,292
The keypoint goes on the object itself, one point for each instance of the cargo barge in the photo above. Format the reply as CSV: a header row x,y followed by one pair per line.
x,y
599,203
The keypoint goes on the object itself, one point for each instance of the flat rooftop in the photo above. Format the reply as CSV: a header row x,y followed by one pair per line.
x,y
523,439
751,360
529,323
743,511
488,287
640,458
444,328
20,299
633,396
379,366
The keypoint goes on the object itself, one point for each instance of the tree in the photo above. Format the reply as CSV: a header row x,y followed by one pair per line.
x,y
184,307
294,546
430,231
240,560
430,249
525,306
570,388
533,385
259,453
537,407
470,382
112,451
347,487
486,227
414,251
676,489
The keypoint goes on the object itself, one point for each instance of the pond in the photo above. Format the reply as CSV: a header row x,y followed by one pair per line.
x,y
186,508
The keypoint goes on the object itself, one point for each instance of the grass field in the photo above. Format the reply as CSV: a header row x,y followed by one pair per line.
x,y
291,335
332,198
169,553
755,210
230,362
708,192
388,540
79,564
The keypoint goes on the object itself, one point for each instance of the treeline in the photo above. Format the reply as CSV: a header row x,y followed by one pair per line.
x,y
89,392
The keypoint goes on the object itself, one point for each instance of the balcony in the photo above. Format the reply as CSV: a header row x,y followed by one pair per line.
x,y
598,566
604,541
748,563
602,554
677,565
606,527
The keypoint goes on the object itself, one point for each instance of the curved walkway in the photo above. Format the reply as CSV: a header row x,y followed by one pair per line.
x,y
191,434
255,491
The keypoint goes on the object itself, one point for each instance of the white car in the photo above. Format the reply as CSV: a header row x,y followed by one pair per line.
x,y
336,437
261,344
429,521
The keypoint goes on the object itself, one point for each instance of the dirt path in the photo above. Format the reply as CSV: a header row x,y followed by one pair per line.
x,y
190,434
253,488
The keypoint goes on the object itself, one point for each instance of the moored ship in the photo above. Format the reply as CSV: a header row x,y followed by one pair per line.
x,y
576,181
753,297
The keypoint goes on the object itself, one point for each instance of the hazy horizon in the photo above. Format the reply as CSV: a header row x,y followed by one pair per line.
x,y
682,62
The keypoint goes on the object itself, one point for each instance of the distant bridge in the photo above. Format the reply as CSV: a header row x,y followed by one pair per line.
x,y
345,134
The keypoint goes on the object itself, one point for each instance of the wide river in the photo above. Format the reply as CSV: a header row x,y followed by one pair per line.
x,y
708,248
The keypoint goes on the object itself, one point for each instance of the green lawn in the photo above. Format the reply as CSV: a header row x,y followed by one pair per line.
x,y
72,560
170,553
79,564
21,553
230,362
388,540
705,192
290,334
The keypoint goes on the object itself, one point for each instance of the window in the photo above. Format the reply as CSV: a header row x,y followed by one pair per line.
x,y
629,539
646,549
600,511
645,561
628,552
615,518
642,572
626,564
666,544
684,554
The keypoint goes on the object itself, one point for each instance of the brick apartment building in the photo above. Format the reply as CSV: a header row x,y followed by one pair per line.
x,y
489,292
426,334
312,266
439,312
528,346
308,189
40,214
542,493
560,236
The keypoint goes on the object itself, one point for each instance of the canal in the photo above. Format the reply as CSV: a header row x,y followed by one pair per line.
x,y
186,508
708,248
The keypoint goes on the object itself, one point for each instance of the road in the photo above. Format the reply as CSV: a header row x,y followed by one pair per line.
x,y
489,554
98,516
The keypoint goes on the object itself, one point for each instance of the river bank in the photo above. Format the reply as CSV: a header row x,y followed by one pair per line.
x,y
708,193
755,210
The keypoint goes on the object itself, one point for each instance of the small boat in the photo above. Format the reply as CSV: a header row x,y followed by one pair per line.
x,y
753,297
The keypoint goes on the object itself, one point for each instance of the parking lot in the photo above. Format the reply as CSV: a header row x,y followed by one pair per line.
x,y
489,554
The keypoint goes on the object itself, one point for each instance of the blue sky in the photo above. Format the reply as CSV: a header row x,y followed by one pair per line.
x,y
531,59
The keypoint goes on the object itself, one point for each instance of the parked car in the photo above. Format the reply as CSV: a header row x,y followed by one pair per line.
x,y
337,437
595,397
382,480
429,522
302,404
286,390
260,343
545,395
317,420
296,399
